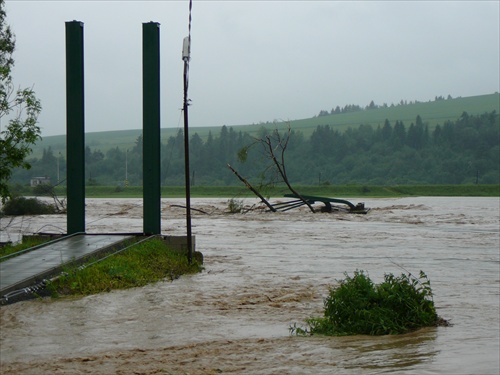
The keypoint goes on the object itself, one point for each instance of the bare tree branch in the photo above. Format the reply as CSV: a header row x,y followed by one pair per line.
x,y
248,185
280,146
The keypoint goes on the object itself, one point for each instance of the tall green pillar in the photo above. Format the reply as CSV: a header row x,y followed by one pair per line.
x,y
151,127
75,128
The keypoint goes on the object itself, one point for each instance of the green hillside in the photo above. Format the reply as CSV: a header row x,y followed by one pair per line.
x,y
433,113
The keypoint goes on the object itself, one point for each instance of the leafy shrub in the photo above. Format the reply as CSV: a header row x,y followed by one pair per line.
x,y
235,205
27,206
357,306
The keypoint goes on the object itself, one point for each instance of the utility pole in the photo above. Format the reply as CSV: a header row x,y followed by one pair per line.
x,y
186,55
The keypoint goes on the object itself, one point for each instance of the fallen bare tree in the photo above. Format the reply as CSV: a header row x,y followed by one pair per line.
x,y
49,191
274,146
255,191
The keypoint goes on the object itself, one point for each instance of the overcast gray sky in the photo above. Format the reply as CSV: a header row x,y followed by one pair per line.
x,y
256,61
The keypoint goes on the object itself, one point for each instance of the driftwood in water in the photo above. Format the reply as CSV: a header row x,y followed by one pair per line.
x,y
192,209
247,184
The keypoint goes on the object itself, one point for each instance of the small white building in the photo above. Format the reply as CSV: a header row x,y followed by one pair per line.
x,y
35,181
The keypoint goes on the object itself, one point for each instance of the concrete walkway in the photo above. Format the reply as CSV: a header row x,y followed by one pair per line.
x,y
33,266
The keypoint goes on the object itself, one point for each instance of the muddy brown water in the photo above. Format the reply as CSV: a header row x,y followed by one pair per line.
x,y
263,272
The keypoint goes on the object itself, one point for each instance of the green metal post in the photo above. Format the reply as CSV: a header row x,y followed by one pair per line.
x,y
75,128
151,127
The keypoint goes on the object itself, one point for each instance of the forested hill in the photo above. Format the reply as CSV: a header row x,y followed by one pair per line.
x,y
433,112
465,149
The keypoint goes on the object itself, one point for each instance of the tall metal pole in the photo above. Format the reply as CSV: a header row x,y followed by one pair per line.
x,y
186,163
186,55
151,127
75,128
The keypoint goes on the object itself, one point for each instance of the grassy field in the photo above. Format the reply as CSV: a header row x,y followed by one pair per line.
x,y
434,112
333,191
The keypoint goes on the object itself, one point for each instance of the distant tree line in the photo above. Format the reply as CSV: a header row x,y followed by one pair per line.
x,y
456,152
356,108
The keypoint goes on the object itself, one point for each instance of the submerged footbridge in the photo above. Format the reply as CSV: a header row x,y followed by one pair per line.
x,y
26,273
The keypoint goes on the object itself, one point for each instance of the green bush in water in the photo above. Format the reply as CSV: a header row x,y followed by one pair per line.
x,y
27,206
358,306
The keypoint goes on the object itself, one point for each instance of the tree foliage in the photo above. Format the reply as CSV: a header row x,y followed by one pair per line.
x,y
20,107
464,151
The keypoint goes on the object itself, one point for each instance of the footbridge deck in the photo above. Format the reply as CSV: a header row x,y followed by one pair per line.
x,y
21,272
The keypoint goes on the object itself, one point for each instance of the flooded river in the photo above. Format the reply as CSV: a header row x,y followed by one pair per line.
x,y
263,272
